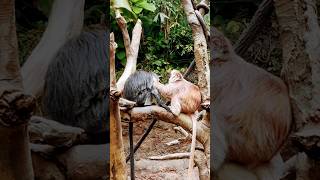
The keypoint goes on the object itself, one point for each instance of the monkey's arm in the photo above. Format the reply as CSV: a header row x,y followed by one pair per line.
x,y
165,90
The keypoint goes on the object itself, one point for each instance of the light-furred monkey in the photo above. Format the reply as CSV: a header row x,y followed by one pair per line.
x,y
185,98
251,114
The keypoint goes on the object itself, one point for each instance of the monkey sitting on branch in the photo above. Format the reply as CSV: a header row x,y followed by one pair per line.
x,y
185,98
251,115
139,87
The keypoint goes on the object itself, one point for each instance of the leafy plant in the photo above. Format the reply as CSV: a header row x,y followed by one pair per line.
x,y
167,38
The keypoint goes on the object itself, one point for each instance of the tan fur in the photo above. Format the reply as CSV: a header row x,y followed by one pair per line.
x,y
252,103
185,98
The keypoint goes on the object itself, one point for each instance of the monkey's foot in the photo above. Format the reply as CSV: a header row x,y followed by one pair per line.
x,y
114,94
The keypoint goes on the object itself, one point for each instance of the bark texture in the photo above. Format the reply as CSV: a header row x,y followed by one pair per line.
x,y
117,157
200,50
300,39
15,107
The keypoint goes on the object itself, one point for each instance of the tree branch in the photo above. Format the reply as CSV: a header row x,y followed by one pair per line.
x,y
131,51
117,158
65,22
183,120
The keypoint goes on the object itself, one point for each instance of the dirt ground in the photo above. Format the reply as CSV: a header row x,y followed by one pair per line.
x,y
154,145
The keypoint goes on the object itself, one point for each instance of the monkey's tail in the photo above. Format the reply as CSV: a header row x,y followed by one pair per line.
x,y
194,118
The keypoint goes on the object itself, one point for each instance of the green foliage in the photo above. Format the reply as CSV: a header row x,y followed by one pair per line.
x,y
30,35
167,38
45,6
231,27
28,40
131,9
232,18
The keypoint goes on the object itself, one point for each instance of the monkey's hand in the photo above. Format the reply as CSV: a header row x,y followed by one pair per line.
x,y
114,94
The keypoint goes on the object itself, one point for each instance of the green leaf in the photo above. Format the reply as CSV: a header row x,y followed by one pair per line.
x,y
147,6
45,6
117,4
233,27
137,10
121,55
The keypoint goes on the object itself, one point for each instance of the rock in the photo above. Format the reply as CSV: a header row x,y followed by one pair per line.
x,y
45,169
86,162
164,169
50,132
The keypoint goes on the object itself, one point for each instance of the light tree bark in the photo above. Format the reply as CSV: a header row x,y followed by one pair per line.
x,y
15,107
200,50
132,48
183,120
117,158
65,22
300,39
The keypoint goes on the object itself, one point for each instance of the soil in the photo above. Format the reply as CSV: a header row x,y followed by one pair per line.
x,y
154,145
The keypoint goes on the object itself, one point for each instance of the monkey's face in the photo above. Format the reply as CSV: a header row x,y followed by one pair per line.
x,y
175,75
218,49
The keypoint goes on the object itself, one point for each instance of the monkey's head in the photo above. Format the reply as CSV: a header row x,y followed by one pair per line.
x,y
175,75
220,46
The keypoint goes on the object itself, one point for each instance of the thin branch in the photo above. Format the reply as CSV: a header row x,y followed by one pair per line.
x,y
122,23
132,58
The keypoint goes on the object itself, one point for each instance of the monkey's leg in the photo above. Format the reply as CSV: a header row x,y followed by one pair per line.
x,y
156,94
193,146
175,106
219,145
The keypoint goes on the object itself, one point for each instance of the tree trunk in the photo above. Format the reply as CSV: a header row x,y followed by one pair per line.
x,y
300,39
15,107
200,50
66,20
117,158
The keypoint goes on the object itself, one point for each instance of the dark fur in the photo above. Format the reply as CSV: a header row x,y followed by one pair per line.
x,y
139,88
76,82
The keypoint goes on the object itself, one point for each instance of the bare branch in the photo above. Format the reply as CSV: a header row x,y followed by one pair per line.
x,y
122,23
65,22
132,58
